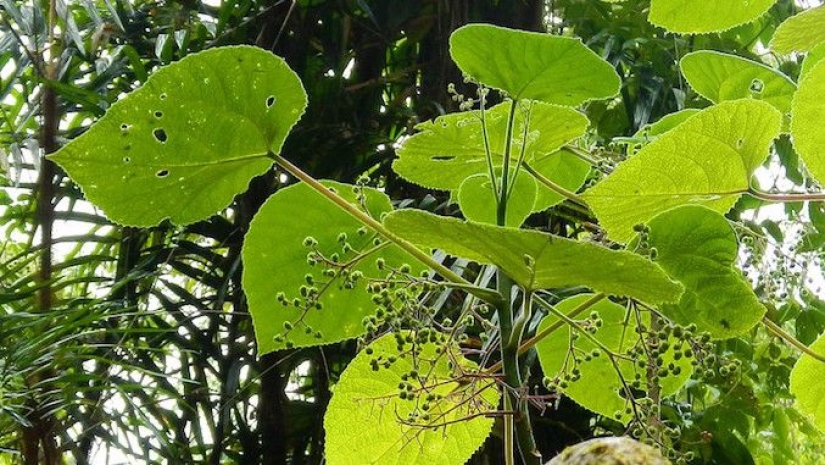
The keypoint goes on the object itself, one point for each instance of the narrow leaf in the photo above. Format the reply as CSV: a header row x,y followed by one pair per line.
x,y
706,160
368,423
698,247
184,144
542,261
529,65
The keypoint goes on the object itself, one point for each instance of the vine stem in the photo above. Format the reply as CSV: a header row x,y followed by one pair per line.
x,y
487,295
781,333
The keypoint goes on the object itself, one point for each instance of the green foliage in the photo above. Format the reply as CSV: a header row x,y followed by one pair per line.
x,y
703,16
542,261
559,70
707,160
806,384
478,201
152,144
698,247
800,33
808,111
434,415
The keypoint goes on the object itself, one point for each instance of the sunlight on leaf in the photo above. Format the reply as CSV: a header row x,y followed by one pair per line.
x,y
808,115
706,160
702,16
190,139
542,261
806,384
368,423
800,33
698,247
600,387
529,65
719,77
478,203
275,261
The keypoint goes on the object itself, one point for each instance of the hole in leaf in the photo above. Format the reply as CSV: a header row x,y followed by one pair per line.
x,y
160,135
162,173
442,158
270,101
124,127
126,159
740,143
756,86
162,96
158,114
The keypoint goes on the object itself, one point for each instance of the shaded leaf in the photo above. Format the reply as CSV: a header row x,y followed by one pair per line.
x,y
542,261
706,160
367,423
529,65
698,247
190,139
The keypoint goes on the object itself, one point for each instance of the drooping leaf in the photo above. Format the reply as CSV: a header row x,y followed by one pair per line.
x,y
600,387
451,148
807,386
368,423
542,260
806,125
190,139
800,33
698,247
719,76
275,261
707,160
702,16
529,65
478,202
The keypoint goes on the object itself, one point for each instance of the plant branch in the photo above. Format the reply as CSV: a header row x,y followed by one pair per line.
x,y
784,335
501,210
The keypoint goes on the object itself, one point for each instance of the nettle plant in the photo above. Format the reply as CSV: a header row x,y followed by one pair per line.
x,y
618,319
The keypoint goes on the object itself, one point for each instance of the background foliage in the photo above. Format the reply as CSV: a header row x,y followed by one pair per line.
x,y
136,344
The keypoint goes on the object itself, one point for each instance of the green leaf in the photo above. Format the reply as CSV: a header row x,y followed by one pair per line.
x,y
702,16
537,260
368,423
720,76
478,202
190,139
529,65
563,168
800,33
450,149
806,125
706,160
816,55
275,261
807,386
698,247
666,123
600,386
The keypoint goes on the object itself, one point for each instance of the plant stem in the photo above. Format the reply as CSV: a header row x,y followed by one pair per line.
x,y
781,333
487,295
554,187
501,210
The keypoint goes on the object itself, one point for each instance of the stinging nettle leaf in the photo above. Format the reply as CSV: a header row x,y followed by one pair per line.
x,y
703,16
190,139
530,65
365,420
553,261
719,76
806,126
450,148
806,384
706,160
275,261
698,247
800,33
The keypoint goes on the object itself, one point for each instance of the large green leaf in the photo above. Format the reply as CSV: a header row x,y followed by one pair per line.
x,y
600,386
529,65
800,33
806,125
537,260
698,247
702,16
450,149
807,385
720,76
708,159
368,423
183,145
275,261
812,59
